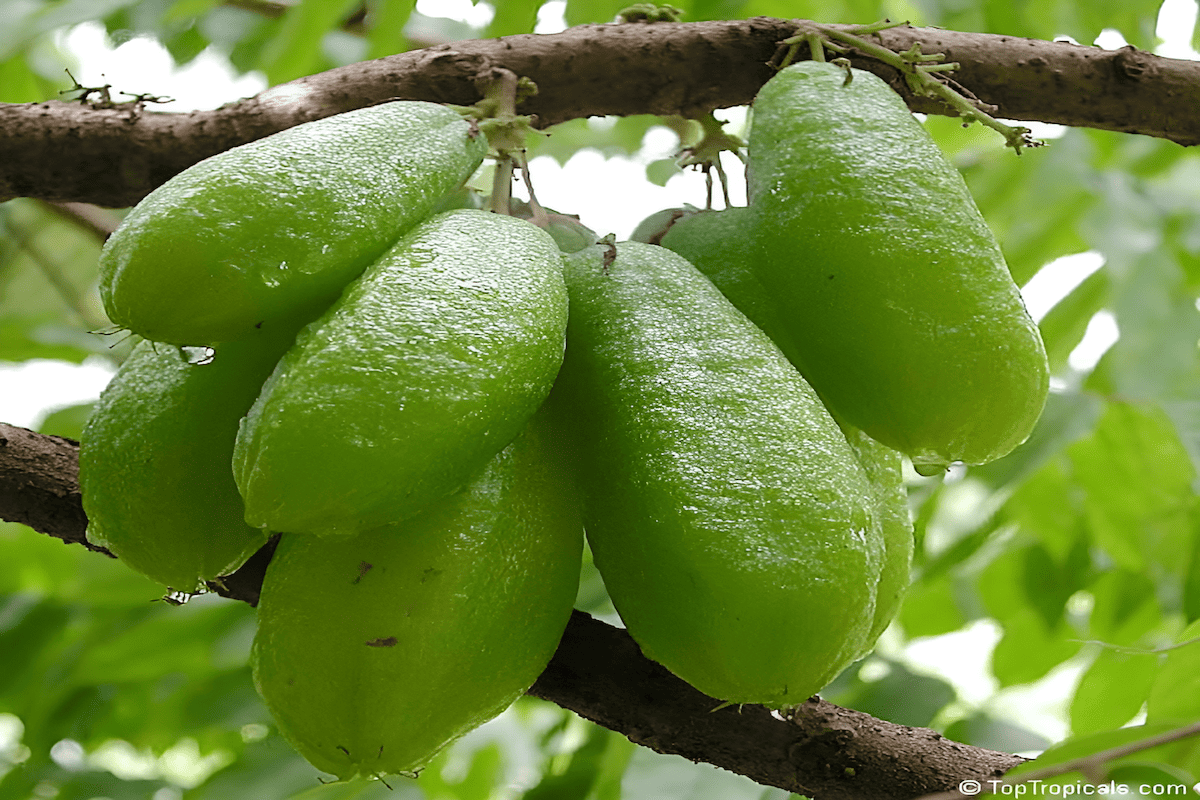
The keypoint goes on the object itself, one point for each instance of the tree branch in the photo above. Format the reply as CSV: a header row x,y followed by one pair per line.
x,y
819,750
66,151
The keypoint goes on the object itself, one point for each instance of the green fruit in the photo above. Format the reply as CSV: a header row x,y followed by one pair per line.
x,y
277,227
651,229
568,232
154,462
885,273
426,367
883,467
374,652
719,244
734,528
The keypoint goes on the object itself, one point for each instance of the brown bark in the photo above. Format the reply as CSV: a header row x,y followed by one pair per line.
x,y
39,484
113,156
818,749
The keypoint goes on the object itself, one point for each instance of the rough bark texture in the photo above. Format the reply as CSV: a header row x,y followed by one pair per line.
x,y
819,749
114,156
39,484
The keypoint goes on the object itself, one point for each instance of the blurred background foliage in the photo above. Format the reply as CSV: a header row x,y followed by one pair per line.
x,y
1056,592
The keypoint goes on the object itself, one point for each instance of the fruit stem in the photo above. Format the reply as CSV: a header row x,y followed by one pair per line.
x,y
506,132
539,216
706,153
501,198
918,69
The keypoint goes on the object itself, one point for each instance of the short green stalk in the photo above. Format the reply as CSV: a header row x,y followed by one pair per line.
x,y
918,69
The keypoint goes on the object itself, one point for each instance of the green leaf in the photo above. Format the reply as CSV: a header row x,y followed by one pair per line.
x,y
1028,649
983,730
1112,690
579,12
1045,506
386,20
1049,582
1125,608
184,11
593,771
1175,697
1162,756
1138,480
650,775
47,274
1191,578
295,50
1056,180
67,421
660,171
20,84
931,609
1062,327
900,695
513,16
612,136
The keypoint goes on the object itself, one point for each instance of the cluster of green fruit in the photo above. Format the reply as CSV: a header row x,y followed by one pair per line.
x,y
385,384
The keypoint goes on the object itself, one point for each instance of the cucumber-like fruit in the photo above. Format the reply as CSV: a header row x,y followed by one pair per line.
x,y
886,274
651,229
734,527
373,652
261,232
883,467
154,461
719,244
567,231
424,369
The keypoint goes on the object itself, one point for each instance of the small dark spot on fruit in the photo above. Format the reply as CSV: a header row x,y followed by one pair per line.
x,y
430,572
344,750
830,277
258,324
385,641
363,569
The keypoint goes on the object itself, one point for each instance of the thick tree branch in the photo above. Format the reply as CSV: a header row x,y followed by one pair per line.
x,y
39,484
819,749
72,152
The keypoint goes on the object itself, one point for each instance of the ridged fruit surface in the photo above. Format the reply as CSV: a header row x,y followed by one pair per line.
x,y
719,244
734,528
886,275
251,236
424,369
373,652
154,461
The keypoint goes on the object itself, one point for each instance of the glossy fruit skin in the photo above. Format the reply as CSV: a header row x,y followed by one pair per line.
x,y
154,462
373,652
886,274
424,369
255,234
883,467
720,245
734,528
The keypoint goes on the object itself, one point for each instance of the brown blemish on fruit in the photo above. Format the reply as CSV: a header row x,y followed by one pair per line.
x,y
363,569
388,641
